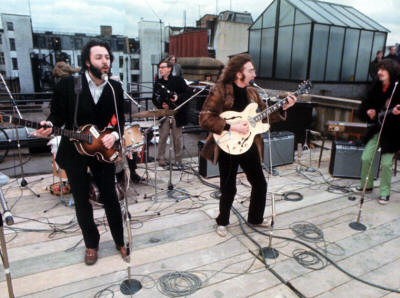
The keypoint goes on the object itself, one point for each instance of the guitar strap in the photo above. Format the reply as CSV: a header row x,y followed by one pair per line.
x,y
77,90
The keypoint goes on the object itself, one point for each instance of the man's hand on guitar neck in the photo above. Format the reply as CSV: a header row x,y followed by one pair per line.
x,y
44,131
291,101
396,110
240,127
371,113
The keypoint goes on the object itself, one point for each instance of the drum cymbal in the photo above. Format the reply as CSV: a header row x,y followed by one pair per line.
x,y
153,113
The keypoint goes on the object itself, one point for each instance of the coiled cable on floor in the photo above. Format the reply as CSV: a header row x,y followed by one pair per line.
x,y
178,283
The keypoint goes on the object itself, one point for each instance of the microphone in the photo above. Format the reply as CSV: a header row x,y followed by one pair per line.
x,y
7,213
252,83
104,77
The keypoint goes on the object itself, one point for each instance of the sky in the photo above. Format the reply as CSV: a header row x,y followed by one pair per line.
x,y
86,16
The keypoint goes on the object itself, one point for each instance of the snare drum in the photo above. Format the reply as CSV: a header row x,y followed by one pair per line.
x,y
133,138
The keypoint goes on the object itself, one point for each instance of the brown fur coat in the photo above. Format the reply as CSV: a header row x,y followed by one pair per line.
x,y
219,100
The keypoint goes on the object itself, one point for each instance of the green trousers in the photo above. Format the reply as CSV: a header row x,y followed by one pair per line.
x,y
386,167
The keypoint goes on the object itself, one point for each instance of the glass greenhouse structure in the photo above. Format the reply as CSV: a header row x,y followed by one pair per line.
x,y
321,41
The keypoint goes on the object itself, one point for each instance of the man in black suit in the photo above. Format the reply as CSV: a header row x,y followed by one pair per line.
x,y
96,106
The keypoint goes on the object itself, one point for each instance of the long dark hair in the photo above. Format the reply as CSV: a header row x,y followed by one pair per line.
x,y
85,53
392,67
235,65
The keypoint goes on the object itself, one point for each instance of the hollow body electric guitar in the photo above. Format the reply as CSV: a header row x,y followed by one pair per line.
x,y
87,140
236,143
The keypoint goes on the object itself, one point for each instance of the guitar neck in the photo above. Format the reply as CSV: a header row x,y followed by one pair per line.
x,y
56,130
273,108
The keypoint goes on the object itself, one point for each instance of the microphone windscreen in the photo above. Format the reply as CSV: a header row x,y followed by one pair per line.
x,y
252,83
104,77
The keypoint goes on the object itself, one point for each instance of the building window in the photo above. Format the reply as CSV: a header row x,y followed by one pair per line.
x,y
15,63
79,60
134,63
121,75
121,61
10,26
2,58
12,44
134,78
1,39
78,43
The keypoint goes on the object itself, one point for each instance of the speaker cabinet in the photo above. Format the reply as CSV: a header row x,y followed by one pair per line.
x,y
346,160
206,168
282,148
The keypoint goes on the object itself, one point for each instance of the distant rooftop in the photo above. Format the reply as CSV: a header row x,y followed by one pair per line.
x,y
336,14
237,17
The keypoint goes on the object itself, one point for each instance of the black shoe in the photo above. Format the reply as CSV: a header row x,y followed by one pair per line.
x,y
135,178
383,200
360,189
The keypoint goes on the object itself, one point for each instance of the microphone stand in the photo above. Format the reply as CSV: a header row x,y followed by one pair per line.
x,y
24,183
357,225
170,119
269,252
129,286
6,265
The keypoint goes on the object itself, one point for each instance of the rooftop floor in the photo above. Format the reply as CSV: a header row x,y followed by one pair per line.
x,y
177,233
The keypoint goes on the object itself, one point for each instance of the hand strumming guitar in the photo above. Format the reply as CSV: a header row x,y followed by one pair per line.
x,y
108,140
240,127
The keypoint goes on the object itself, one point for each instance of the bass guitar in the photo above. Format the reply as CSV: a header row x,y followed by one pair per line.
x,y
236,143
87,140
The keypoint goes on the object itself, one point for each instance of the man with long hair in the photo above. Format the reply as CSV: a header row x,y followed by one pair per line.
x,y
372,110
233,92
94,105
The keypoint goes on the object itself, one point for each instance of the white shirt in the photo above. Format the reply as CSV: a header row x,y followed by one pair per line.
x,y
95,90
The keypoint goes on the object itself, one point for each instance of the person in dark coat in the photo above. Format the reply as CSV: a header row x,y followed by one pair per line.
x,y
95,106
168,93
373,70
371,110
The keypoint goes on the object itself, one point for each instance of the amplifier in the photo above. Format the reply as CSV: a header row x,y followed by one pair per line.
x,y
206,168
282,152
346,160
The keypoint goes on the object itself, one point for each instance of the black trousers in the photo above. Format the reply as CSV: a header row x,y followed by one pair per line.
x,y
104,176
251,165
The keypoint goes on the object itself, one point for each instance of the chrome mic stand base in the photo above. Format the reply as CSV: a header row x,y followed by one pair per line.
x,y
355,225
130,286
269,252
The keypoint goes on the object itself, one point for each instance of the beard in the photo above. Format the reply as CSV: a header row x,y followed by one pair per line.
x,y
96,72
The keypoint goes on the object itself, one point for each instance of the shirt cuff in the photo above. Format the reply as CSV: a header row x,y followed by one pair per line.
x,y
116,135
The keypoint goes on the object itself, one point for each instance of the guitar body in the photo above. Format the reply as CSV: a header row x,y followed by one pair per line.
x,y
95,147
236,143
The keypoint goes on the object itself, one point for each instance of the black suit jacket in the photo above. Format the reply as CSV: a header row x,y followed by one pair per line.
x,y
162,91
62,111
376,99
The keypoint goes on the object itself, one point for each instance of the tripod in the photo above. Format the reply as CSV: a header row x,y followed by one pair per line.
x,y
24,183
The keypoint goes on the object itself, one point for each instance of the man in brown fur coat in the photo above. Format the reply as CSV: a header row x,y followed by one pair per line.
x,y
233,93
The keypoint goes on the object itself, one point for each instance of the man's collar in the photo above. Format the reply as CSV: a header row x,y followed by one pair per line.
x,y
90,81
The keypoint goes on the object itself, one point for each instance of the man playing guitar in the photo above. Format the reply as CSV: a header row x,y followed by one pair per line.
x,y
232,92
94,105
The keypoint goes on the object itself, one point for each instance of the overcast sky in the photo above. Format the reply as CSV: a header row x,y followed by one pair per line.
x,y
86,16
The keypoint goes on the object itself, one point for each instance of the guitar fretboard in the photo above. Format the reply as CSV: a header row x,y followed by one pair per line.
x,y
56,130
273,108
